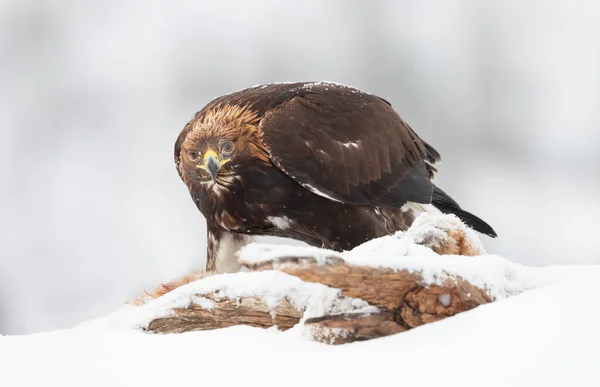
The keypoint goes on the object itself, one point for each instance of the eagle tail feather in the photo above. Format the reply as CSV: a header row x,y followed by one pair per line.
x,y
447,205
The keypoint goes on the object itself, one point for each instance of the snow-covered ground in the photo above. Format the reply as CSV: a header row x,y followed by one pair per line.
x,y
545,335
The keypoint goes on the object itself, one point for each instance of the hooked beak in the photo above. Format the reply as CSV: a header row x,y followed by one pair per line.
x,y
212,163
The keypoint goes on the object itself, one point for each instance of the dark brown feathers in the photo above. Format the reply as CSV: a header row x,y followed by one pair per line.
x,y
337,140
310,161
348,144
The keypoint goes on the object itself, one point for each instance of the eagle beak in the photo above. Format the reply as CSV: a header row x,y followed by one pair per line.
x,y
212,163
212,166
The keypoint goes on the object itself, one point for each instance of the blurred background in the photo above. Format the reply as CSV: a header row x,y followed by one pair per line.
x,y
93,95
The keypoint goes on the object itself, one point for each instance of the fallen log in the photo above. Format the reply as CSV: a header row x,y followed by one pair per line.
x,y
400,298
404,301
349,327
403,292
225,312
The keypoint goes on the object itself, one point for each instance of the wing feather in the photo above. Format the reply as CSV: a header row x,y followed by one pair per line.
x,y
349,145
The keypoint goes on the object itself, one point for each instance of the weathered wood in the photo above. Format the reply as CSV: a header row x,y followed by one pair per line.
x,y
165,288
225,312
385,288
450,239
350,327
404,299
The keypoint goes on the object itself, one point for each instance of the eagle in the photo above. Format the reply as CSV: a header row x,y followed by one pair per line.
x,y
319,162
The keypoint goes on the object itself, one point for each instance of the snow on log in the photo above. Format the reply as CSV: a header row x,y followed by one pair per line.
x,y
264,300
349,327
383,287
225,312
404,292
445,235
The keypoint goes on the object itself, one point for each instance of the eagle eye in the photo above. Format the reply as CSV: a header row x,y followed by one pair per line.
x,y
193,155
227,148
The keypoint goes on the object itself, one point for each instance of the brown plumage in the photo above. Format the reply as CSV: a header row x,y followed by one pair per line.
x,y
323,163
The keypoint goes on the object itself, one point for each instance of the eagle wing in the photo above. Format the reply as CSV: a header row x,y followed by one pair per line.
x,y
349,146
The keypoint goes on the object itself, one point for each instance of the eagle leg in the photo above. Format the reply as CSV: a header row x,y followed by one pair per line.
x,y
222,247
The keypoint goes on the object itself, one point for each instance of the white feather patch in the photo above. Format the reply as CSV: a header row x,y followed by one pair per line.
x,y
226,260
419,208
320,193
281,222
350,144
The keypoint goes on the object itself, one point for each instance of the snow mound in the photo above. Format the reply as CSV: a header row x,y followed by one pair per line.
x,y
498,276
271,286
542,330
546,337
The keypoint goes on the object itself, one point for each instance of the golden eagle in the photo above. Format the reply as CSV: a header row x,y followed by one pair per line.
x,y
323,163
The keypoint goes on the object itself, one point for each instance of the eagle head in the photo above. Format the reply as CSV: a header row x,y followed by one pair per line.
x,y
217,145
207,161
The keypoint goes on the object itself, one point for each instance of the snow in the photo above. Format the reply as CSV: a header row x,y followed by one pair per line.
x,y
498,276
272,286
307,85
310,85
445,299
541,331
431,220
545,337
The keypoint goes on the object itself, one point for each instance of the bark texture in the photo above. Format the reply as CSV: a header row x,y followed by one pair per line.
x,y
403,299
225,312
404,302
400,291
350,327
